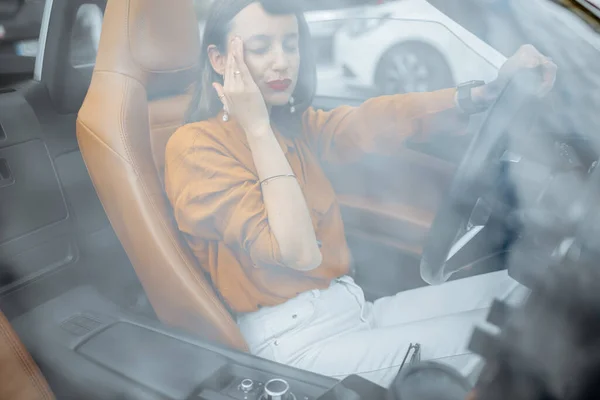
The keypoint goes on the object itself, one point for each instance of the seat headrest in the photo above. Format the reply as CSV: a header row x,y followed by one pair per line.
x,y
156,42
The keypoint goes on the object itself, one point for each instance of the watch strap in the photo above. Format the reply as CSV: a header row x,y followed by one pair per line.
x,y
465,100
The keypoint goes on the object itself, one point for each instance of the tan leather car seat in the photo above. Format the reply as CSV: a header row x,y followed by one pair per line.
x,y
147,60
20,378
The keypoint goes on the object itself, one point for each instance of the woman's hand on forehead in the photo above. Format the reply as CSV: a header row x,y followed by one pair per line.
x,y
240,95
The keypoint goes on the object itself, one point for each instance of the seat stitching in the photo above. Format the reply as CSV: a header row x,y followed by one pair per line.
x,y
133,164
25,362
99,139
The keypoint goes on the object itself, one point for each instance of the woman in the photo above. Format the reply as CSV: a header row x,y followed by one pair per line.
x,y
245,180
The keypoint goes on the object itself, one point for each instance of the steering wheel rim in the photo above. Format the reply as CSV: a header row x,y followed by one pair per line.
x,y
465,201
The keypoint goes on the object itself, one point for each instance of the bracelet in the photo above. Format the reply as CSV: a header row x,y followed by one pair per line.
x,y
267,180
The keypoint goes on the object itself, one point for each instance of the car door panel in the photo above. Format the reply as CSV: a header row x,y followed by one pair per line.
x,y
53,230
388,204
398,225
33,212
28,171
392,198
54,233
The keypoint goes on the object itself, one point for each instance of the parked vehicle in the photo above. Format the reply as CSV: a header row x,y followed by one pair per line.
x,y
410,46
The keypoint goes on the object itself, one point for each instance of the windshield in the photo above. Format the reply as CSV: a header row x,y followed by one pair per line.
x,y
417,209
391,204
411,54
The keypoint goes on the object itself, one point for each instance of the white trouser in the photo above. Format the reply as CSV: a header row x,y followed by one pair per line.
x,y
335,332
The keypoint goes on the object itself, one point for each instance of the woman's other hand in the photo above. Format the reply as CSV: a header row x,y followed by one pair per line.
x,y
526,58
240,95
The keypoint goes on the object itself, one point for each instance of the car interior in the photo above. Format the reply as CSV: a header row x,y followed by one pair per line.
x,y
95,279
97,282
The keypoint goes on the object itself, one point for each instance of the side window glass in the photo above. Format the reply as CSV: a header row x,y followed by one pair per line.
x,y
86,35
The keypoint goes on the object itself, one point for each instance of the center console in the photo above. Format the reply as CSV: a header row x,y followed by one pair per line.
x,y
247,388
89,348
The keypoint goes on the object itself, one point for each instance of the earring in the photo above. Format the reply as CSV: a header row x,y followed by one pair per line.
x,y
225,115
292,107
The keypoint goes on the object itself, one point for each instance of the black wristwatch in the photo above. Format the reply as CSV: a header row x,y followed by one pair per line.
x,y
465,100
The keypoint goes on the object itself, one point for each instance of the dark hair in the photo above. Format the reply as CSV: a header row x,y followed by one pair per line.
x,y
205,103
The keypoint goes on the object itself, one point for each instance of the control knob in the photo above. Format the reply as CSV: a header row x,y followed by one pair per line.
x,y
247,385
277,389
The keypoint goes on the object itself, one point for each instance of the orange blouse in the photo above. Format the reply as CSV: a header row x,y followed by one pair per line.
x,y
214,189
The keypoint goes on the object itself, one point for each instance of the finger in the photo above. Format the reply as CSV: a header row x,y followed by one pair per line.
x,y
237,72
530,49
236,81
536,52
220,91
550,70
533,61
549,77
239,60
221,94
229,67
233,53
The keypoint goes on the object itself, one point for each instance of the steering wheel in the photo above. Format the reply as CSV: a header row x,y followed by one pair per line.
x,y
458,226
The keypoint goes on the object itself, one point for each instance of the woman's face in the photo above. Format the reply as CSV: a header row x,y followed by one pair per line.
x,y
271,51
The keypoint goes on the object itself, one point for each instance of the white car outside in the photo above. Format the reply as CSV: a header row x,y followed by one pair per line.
x,y
409,46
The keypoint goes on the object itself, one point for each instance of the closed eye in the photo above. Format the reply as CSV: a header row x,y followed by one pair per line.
x,y
290,43
258,44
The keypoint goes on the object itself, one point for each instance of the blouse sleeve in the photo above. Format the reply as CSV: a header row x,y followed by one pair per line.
x,y
382,124
214,197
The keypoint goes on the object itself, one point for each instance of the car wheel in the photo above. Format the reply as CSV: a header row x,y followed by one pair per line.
x,y
412,67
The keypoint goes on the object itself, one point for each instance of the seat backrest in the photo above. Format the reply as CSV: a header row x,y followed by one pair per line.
x,y
20,378
147,61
